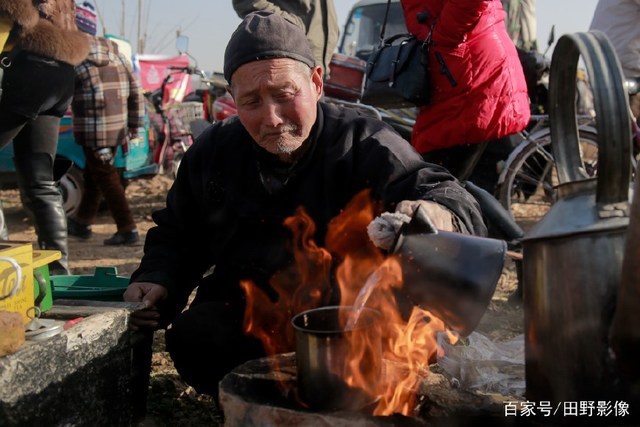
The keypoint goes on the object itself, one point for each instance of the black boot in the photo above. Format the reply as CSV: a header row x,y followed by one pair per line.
x,y
50,222
43,200
124,238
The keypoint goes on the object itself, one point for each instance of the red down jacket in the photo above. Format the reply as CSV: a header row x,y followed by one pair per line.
x,y
480,91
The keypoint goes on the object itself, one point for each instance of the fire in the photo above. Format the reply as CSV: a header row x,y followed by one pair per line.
x,y
299,288
409,341
411,346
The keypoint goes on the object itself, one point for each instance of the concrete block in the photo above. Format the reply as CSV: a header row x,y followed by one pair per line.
x,y
83,376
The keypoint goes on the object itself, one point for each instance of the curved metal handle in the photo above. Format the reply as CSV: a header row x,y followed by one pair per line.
x,y
612,114
42,287
18,281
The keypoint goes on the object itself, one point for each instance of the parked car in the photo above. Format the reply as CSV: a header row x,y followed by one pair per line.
x,y
361,32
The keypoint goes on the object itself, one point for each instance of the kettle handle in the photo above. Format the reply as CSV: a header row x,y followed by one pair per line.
x,y
420,224
611,103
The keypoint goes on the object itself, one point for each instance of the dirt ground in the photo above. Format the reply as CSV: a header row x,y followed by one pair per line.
x,y
170,401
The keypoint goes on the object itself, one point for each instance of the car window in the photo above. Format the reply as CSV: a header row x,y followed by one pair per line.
x,y
362,30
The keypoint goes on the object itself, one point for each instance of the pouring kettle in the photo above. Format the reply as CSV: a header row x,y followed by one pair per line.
x,y
572,258
453,275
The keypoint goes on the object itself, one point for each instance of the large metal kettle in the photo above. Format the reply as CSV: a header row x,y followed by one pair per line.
x,y
572,258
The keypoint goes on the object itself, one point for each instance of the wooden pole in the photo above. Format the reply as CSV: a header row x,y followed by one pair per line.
x,y
122,20
101,18
140,46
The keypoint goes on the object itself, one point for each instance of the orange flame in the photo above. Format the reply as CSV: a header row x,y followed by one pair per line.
x,y
409,343
300,287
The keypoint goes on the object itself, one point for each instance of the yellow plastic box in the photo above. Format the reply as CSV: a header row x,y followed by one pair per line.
x,y
5,28
22,299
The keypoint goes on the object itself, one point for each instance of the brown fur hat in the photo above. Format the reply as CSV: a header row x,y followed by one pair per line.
x,y
70,46
47,28
21,12
61,12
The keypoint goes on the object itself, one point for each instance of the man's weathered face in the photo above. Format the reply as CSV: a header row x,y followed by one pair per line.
x,y
277,102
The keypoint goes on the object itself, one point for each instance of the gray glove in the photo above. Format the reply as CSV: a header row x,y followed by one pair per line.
x,y
383,230
440,216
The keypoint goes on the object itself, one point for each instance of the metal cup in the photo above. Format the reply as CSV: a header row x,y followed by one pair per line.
x,y
328,357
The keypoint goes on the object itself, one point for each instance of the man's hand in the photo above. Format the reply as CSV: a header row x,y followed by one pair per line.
x,y
383,230
133,133
151,295
440,216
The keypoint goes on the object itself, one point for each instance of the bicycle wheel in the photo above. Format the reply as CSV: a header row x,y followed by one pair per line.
x,y
527,189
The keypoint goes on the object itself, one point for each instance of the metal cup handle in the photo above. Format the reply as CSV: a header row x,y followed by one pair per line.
x,y
18,281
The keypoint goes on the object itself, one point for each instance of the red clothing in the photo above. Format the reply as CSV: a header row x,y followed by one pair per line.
x,y
489,99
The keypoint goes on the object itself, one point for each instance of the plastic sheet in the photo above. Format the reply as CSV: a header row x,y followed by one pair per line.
x,y
480,364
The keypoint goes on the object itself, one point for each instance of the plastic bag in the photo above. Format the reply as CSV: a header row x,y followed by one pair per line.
x,y
483,365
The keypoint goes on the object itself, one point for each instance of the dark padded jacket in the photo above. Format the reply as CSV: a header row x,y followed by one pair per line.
x,y
219,211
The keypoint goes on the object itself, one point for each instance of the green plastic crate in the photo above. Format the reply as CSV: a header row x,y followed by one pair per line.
x,y
104,285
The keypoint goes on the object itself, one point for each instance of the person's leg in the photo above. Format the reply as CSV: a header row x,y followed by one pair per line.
x,y
91,196
459,160
206,342
486,172
634,103
80,224
106,179
34,153
448,158
10,125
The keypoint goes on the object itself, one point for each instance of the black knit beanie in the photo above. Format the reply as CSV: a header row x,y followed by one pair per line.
x,y
265,35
